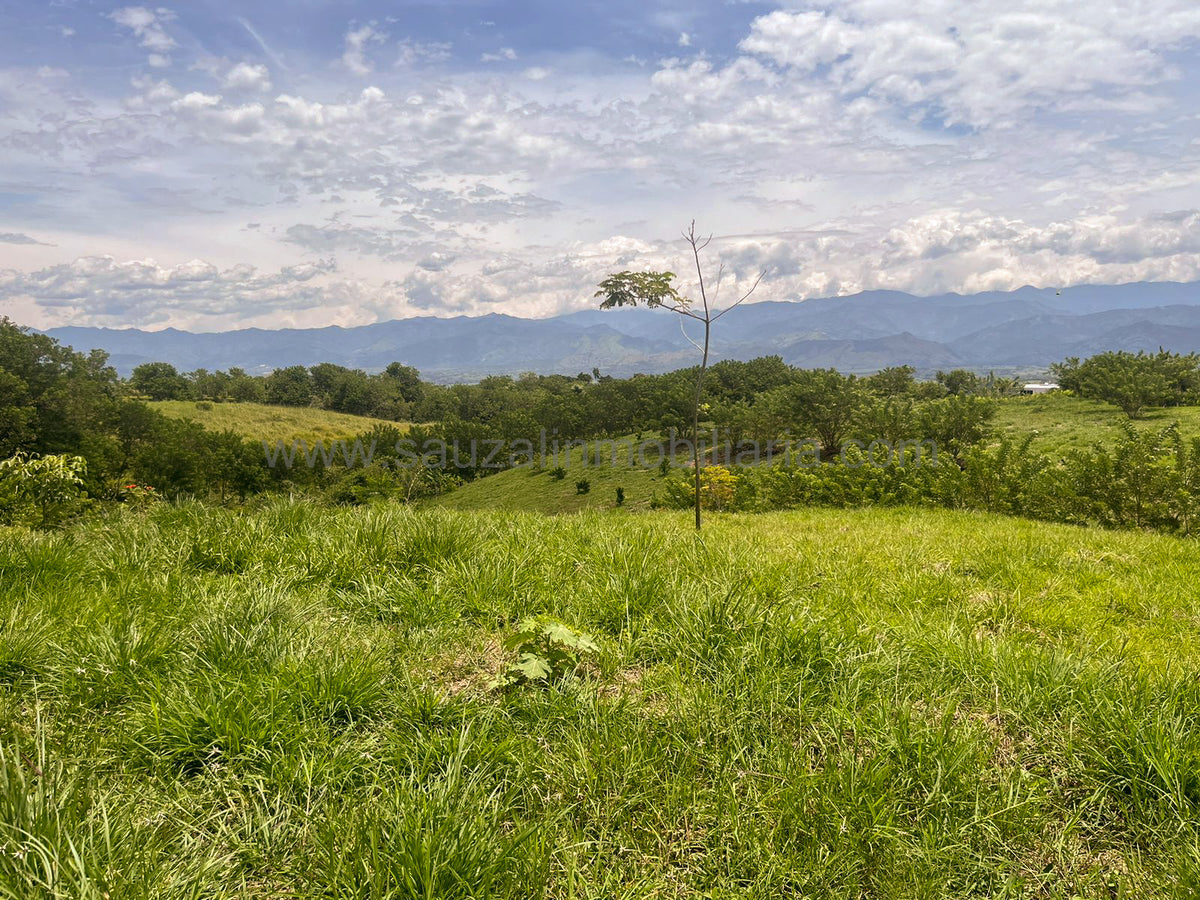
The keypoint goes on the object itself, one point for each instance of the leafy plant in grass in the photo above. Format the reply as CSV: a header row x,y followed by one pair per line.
x,y
583,486
558,473
546,654
51,487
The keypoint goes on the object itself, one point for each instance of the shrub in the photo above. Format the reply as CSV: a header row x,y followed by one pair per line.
x,y
620,496
583,486
558,473
50,487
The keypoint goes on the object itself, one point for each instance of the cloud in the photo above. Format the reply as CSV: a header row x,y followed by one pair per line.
x,y
247,77
103,290
927,148
976,64
685,39
357,40
413,53
504,54
147,27
9,237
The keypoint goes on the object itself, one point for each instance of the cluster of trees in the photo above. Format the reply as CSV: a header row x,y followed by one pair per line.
x,y
391,394
55,402
1133,381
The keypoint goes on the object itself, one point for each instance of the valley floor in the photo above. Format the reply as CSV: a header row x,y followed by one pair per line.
x,y
294,701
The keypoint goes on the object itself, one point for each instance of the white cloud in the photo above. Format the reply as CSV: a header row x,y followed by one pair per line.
x,y
247,77
196,100
357,40
977,64
502,55
147,26
416,52
685,39
823,149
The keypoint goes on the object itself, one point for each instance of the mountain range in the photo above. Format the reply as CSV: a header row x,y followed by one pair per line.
x,y
1013,332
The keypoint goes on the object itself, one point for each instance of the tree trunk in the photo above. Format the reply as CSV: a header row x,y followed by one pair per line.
x,y
696,421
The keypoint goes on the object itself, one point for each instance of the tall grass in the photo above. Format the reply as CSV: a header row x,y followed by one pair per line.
x,y
294,702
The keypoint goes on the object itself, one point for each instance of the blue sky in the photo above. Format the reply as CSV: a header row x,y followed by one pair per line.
x,y
212,165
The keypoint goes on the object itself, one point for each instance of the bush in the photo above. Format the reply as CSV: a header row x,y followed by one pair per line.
x,y
583,486
558,473
47,489
620,496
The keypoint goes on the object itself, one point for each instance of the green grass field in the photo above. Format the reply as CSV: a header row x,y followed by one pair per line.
x,y
293,702
258,421
1062,423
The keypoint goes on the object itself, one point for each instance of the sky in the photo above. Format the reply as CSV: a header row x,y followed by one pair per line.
x,y
214,165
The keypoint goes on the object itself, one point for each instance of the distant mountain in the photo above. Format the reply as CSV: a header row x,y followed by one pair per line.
x,y
1017,331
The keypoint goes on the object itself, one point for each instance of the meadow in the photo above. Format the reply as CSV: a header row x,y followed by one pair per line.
x,y
296,701
261,422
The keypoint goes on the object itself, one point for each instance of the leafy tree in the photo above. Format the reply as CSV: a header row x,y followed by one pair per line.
x,y
160,381
16,414
406,380
959,381
956,423
824,402
290,386
1130,381
654,289
245,388
895,381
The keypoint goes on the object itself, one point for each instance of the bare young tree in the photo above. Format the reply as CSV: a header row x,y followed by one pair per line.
x,y
654,289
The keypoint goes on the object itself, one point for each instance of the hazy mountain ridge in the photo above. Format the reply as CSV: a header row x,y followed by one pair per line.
x,y
1023,330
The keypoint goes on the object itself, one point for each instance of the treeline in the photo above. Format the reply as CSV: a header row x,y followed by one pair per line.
x,y
1145,479
752,400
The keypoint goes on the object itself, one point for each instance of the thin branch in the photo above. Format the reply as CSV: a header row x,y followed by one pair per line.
x,y
743,297
688,338
717,286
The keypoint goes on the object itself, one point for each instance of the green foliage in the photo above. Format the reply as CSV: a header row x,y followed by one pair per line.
x,y
547,653
159,381
51,488
651,289
1132,381
582,486
558,473
620,496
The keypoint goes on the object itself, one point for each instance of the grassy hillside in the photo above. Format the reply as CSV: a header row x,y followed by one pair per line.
x,y
1063,423
531,489
1059,424
294,702
259,421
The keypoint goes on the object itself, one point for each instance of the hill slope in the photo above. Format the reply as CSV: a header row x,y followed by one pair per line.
x,y
259,421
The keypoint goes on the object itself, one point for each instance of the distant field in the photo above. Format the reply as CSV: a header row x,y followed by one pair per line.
x,y
259,421
533,490
294,702
1064,423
